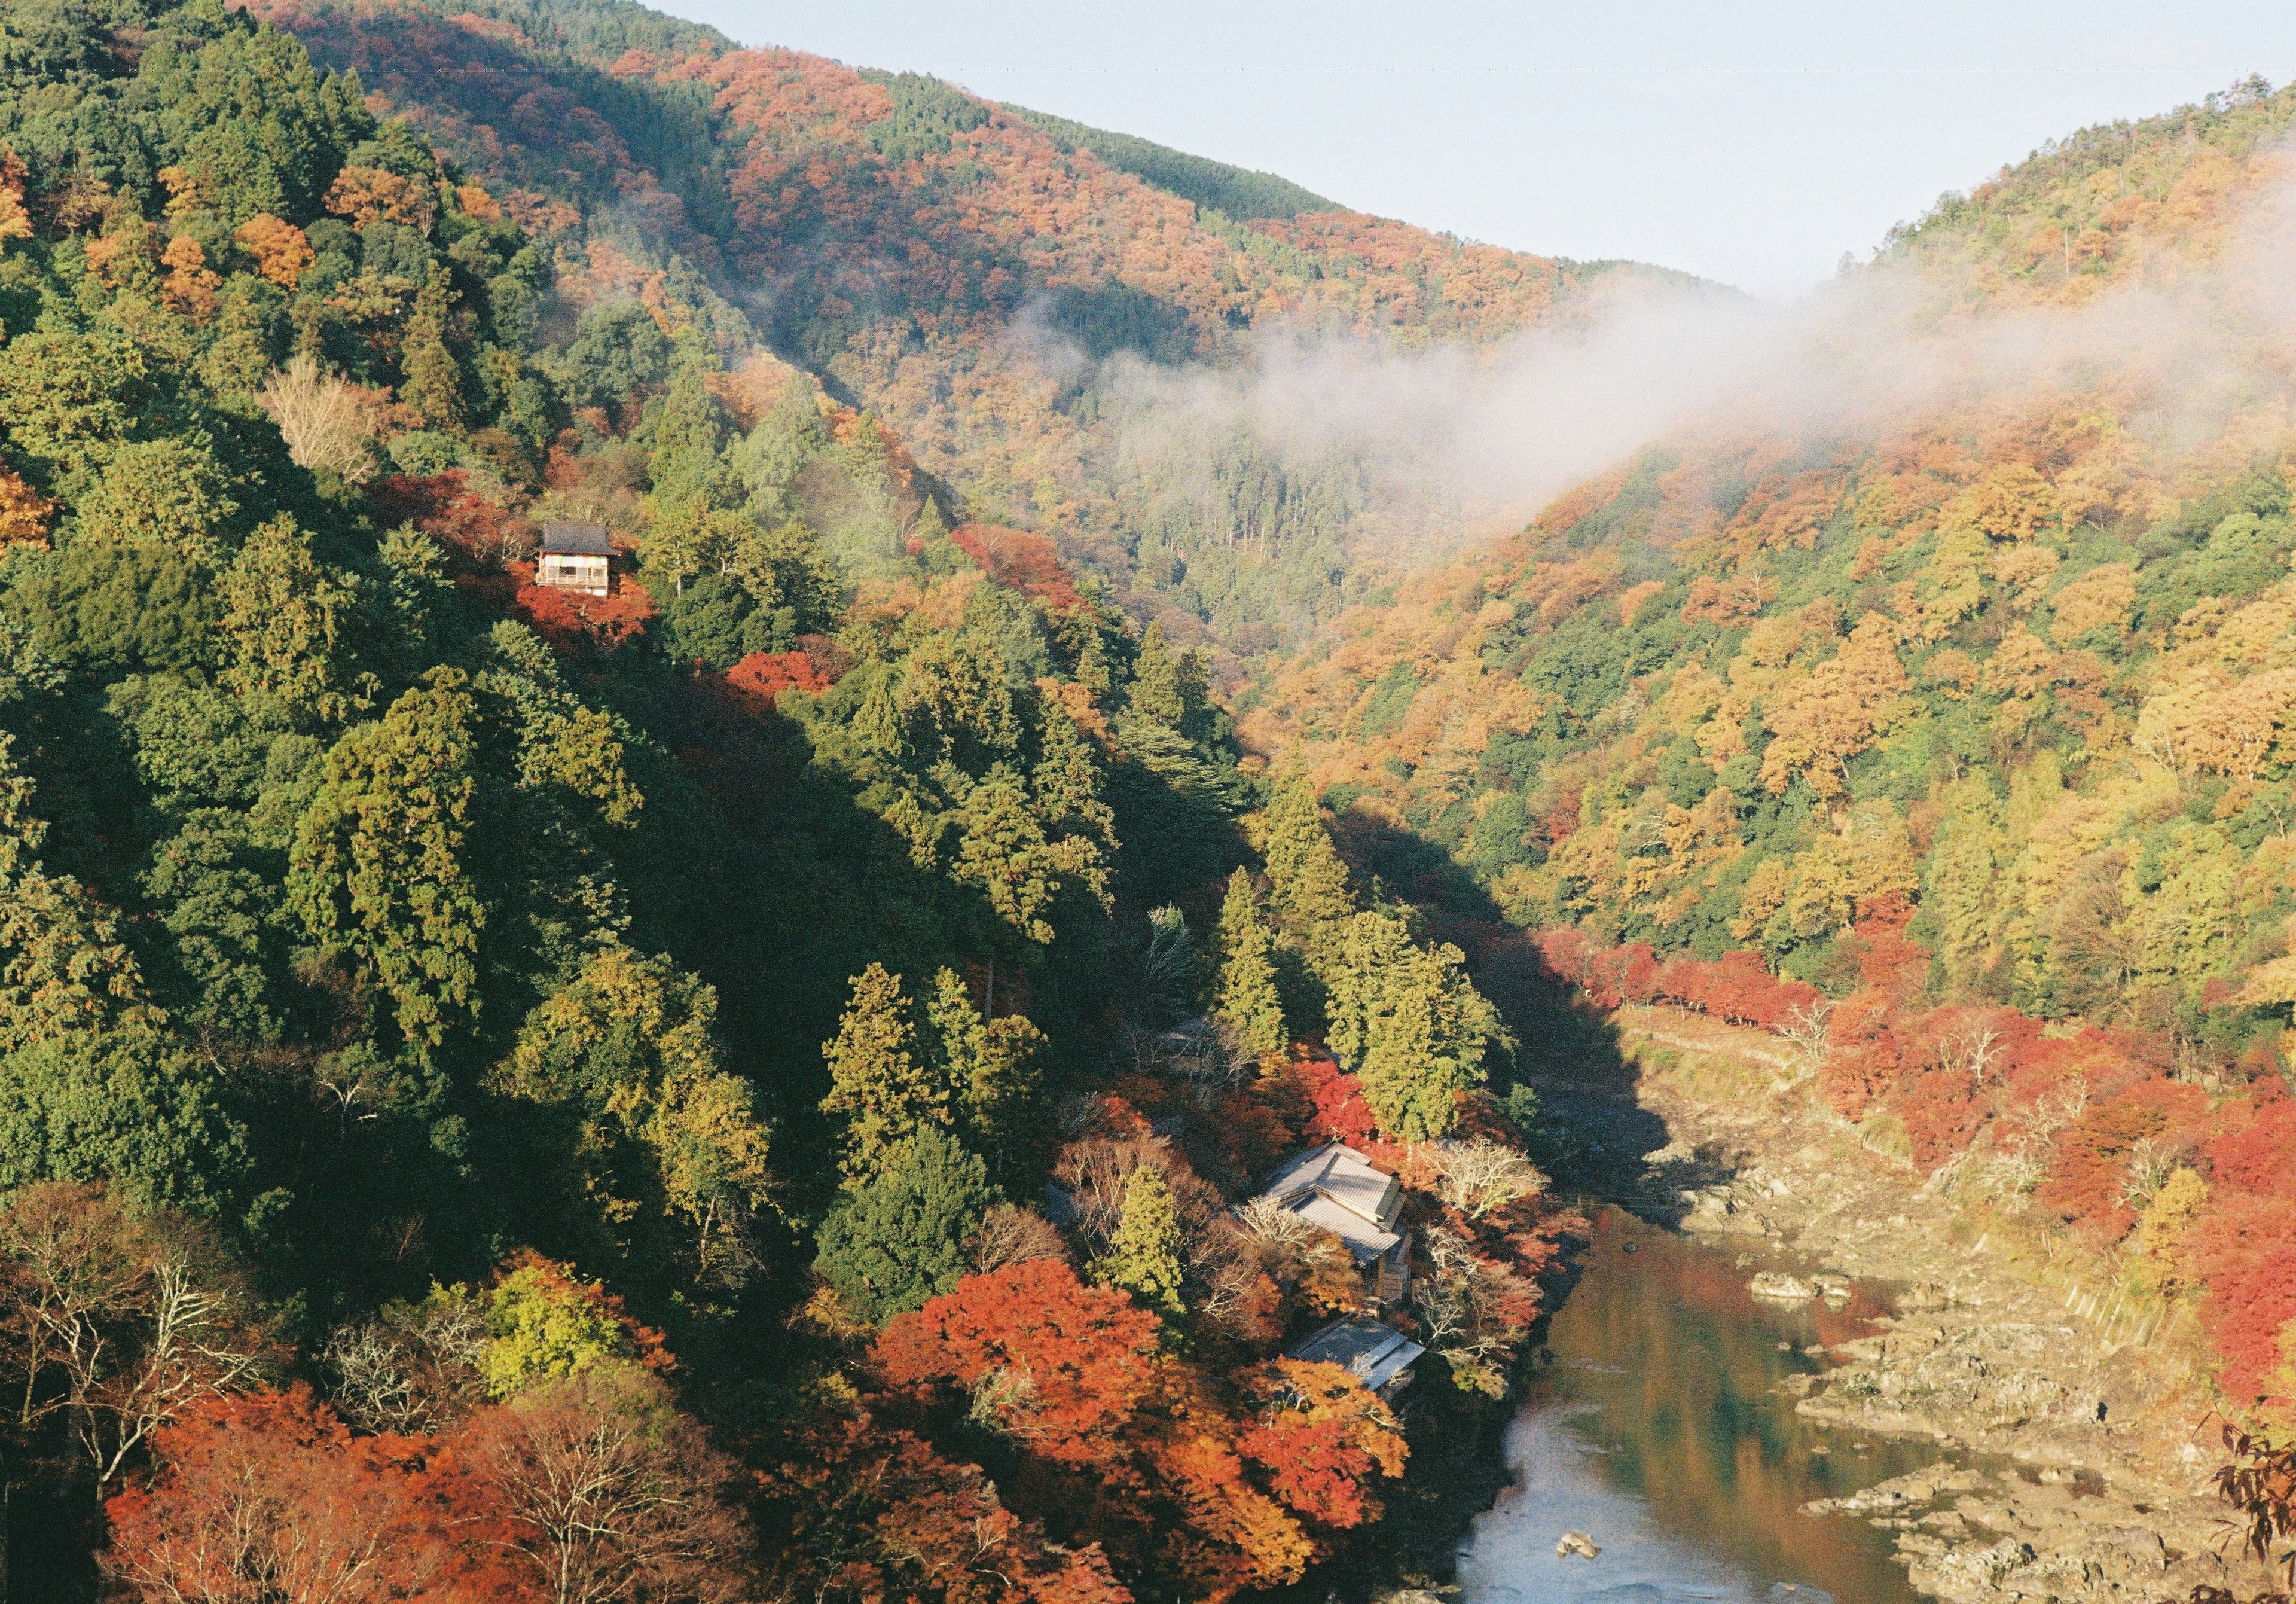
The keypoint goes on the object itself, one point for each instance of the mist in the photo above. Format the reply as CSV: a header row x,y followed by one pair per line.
x,y
1457,442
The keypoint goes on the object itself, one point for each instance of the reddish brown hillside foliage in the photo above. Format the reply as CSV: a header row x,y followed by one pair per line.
x,y
1020,560
1077,1356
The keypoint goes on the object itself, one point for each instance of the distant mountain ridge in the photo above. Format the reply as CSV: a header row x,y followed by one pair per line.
x,y
1241,193
966,272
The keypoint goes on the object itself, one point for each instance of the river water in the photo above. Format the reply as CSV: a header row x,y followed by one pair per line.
x,y
1656,1430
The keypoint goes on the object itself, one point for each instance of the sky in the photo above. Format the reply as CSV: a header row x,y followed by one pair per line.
x,y
1750,143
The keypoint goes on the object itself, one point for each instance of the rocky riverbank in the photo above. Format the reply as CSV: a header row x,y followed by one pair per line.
x,y
2087,1457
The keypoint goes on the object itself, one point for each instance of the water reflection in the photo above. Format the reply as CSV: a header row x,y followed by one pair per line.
x,y
1658,1432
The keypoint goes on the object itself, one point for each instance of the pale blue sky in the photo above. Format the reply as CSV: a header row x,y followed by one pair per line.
x,y
1753,143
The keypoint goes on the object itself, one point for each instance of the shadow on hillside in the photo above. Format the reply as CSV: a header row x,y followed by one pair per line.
x,y
1596,1128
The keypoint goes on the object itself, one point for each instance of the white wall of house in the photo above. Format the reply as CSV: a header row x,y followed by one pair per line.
x,y
574,574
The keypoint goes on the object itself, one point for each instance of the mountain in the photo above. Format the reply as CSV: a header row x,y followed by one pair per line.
x,y
756,1080
1942,674
985,281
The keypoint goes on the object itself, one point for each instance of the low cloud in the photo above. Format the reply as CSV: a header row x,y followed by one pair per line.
x,y
1452,442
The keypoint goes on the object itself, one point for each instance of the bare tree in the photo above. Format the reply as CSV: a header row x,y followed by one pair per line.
x,y
1269,1221
1094,1171
1479,1178
2151,1162
1206,1051
413,1368
1808,1029
327,421
1011,1234
1972,1050
614,1496
122,1322
1463,1311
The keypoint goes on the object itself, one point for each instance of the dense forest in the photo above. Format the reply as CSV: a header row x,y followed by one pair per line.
x,y
758,1083
1956,750
993,285
740,1086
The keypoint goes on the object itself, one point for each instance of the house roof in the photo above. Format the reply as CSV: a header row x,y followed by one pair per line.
x,y
1336,1188
576,540
1374,1354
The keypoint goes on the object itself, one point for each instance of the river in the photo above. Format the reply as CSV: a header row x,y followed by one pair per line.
x,y
1657,1430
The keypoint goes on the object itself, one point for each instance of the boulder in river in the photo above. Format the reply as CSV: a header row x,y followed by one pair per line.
x,y
1776,1284
1577,1542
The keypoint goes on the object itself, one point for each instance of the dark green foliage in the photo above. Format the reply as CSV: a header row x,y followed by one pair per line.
x,y
771,455
615,350
123,1106
1500,835
899,1236
111,605
1383,711
220,901
927,115
1241,193
1116,317
715,620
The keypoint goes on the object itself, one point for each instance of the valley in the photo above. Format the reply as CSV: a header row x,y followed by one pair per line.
x,y
769,836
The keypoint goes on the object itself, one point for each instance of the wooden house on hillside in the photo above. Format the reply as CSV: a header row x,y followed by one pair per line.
x,y
576,557
1338,1189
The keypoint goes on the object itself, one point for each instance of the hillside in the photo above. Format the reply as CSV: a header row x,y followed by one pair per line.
x,y
981,280
1950,739
752,1078
740,1080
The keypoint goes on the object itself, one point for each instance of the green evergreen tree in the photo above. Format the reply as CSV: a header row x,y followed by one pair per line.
x,y
1960,897
993,1066
1247,997
771,455
433,383
1144,1255
688,435
899,1239
1156,691
1409,1023
886,1094
1306,881
377,868
285,619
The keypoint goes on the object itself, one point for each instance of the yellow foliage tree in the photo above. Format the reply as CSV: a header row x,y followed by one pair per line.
x,y
1822,721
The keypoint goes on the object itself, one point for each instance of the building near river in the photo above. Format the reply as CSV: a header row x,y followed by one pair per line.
x,y
576,557
1377,1355
1339,1189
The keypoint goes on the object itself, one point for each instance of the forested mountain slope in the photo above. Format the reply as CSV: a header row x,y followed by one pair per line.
x,y
1953,739
981,280
512,1092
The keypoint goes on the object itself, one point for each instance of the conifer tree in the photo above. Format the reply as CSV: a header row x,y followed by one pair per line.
x,y
886,1093
1144,1255
1306,881
1156,681
433,386
285,618
990,1066
688,437
1247,998
377,868
899,1239
776,452
1407,1021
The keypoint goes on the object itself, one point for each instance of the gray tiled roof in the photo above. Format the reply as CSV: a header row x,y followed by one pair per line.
x,y
1374,1354
1336,1188
576,540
